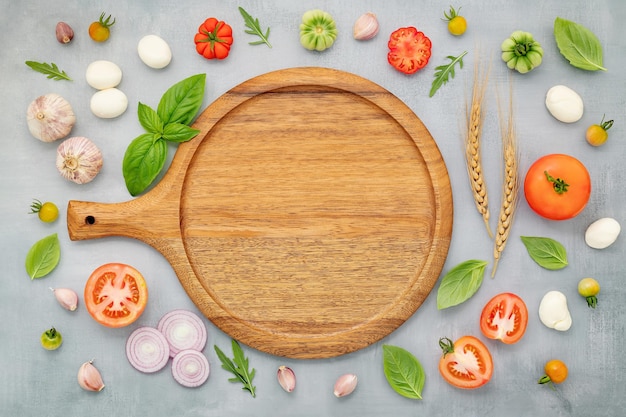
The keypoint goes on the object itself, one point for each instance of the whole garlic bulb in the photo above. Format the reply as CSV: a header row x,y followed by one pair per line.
x,y
78,159
50,117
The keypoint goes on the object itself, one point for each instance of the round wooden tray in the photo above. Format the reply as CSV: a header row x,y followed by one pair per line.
x,y
310,218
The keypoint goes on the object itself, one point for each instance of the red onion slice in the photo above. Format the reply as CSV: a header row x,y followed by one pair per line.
x,y
183,330
190,368
147,349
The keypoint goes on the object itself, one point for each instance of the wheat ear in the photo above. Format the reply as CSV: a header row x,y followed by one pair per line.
x,y
472,146
510,185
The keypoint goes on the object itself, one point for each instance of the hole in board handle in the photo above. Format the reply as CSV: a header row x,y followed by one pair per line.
x,y
89,220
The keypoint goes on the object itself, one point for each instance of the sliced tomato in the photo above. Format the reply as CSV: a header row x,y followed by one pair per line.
x,y
465,363
116,294
409,50
504,318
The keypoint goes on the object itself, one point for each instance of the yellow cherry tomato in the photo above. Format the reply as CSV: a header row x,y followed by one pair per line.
x,y
99,31
556,372
457,25
47,212
589,288
596,135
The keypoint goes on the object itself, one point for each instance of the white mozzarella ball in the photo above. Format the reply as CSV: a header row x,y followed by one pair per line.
x,y
103,74
108,103
154,51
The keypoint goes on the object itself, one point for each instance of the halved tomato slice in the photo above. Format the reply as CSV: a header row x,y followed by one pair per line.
x,y
504,318
465,363
116,294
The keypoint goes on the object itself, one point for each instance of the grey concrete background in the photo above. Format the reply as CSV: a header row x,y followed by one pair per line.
x,y
34,382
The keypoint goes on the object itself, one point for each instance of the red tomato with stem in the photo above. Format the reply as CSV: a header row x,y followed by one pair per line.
x,y
557,186
116,294
504,318
409,50
214,39
466,363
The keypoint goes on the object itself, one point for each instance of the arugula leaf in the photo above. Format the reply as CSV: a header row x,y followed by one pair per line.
x,y
546,252
43,256
143,161
460,283
181,102
255,28
403,371
578,45
238,366
51,70
443,72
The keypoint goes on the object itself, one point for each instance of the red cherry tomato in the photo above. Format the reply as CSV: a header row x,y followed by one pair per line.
x,y
557,186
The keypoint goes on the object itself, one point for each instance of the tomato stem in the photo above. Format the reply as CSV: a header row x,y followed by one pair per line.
x,y
446,345
606,125
592,301
559,185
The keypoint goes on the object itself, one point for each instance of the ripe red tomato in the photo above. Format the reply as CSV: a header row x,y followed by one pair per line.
x,y
214,39
557,186
504,318
116,294
465,363
409,50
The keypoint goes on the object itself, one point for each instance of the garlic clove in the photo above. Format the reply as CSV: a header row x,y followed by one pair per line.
x,y
365,27
78,159
89,377
50,117
286,378
64,33
66,297
344,385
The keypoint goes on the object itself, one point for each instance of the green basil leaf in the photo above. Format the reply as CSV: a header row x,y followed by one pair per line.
x,y
181,102
578,45
143,161
149,119
177,132
460,283
546,252
43,257
403,371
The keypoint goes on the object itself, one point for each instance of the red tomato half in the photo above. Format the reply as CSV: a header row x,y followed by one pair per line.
x,y
504,318
465,364
116,295
409,50
557,186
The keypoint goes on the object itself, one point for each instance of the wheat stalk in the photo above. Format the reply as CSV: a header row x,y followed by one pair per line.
x,y
472,146
510,185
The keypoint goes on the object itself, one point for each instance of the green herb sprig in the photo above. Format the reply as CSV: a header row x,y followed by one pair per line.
x,y
254,28
578,45
546,252
239,367
146,155
444,72
51,70
460,283
403,371
43,257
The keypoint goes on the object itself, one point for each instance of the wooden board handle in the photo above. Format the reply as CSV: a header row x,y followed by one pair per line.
x,y
135,219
